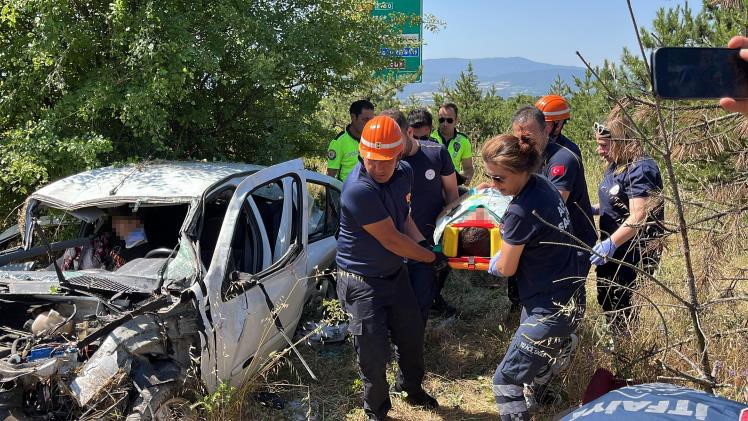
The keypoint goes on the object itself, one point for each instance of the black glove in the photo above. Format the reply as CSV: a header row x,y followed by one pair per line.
x,y
441,262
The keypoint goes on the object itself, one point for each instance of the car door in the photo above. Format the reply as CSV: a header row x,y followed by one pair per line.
x,y
323,218
259,263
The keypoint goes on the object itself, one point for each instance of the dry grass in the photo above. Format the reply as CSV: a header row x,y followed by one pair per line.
x,y
462,353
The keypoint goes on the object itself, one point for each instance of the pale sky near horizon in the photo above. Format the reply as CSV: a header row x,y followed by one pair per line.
x,y
548,31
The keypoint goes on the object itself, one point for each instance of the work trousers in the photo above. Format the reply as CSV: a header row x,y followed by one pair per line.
x,y
380,309
423,280
616,284
536,344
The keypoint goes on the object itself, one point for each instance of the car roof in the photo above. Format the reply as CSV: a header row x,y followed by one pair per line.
x,y
159,181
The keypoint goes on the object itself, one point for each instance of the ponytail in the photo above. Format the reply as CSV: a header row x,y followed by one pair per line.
x,y
515,154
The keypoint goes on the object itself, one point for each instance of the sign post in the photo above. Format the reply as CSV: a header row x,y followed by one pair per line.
x,y
409,59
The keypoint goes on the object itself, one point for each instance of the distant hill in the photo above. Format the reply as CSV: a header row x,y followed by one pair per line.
x,y
510,75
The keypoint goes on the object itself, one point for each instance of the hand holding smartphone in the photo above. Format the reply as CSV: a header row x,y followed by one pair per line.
x,y
729,103
699,73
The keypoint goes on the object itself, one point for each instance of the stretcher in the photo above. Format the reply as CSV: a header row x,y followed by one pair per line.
x,y
479,209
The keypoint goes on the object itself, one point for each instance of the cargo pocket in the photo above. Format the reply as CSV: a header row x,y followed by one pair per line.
x,y
521,366
361,312
354,326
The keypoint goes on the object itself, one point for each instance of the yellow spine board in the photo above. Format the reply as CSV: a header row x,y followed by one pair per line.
x,y
495,241
450,239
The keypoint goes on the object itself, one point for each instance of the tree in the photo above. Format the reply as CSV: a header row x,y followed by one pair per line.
x,y
124,80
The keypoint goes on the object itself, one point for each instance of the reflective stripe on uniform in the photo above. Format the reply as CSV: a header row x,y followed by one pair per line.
x,y
508,390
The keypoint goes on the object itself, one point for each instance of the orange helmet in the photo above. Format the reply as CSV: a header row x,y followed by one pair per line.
x,y
381,139
554,107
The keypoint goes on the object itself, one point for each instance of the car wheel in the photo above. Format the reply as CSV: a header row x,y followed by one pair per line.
x,y
327,287
166,402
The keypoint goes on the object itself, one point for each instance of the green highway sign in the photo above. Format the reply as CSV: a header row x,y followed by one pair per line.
x,y
409,59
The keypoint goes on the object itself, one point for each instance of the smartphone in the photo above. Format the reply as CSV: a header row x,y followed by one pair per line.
x,y
698,73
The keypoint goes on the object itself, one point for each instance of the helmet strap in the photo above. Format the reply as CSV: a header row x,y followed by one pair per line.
x,y
552,135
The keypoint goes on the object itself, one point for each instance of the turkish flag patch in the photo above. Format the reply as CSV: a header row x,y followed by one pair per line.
x,y
558,171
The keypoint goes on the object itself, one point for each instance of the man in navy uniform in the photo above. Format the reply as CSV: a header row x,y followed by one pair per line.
x,y
376,234
434,186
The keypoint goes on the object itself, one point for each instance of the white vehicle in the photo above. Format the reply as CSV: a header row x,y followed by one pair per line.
x,y
236,252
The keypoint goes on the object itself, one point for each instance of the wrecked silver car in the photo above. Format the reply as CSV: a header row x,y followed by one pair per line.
x,y
125,281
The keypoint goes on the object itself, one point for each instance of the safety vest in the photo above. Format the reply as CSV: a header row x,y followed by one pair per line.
x,y
459,147
342,155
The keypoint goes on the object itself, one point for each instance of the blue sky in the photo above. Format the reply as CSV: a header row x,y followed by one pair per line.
x,y
548,31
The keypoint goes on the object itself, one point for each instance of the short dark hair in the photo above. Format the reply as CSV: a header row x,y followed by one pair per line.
x,y
527,113
450,105
420,117
124,210
358,106
398,116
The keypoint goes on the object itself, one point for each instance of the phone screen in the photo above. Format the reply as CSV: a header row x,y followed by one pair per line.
x,y
683,73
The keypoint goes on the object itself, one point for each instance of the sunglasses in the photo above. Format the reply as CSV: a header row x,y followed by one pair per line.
x,y
424,137
495,178
601,130
449,120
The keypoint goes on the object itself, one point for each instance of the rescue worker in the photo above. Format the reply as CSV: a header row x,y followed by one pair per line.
x,y
434,186
565,171
376,234
631,210
557,111
545,270
342,155
457,143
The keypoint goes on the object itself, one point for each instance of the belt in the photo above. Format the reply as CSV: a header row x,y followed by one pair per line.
x,y
360,277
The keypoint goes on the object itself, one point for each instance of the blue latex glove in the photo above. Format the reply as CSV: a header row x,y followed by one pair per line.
x,y
605,248
492,265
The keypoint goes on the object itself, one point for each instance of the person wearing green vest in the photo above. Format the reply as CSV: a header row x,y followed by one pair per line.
x,y
342,155
457,143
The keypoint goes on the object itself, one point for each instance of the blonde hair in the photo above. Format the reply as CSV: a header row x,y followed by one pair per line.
x,y
625,147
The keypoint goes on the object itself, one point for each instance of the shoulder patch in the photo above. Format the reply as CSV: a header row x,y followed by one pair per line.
x,y
331,154
456,146
558,170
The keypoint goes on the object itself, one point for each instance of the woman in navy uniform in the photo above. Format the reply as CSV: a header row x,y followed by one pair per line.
x,y
631,213
547,272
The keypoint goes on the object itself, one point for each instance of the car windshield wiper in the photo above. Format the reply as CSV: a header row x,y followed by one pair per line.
x,y
43,238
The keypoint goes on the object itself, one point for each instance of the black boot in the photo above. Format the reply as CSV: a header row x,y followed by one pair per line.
x,y
422,399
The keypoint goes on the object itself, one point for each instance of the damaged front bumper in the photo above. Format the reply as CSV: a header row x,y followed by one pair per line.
x,y
97,372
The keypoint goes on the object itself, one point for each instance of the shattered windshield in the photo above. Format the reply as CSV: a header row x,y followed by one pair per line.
x,y
123,240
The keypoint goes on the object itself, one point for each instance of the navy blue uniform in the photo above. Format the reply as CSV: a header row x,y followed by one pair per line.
x,y
569,144
565,170
373,287
547,278
362,202
638,179
430,164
